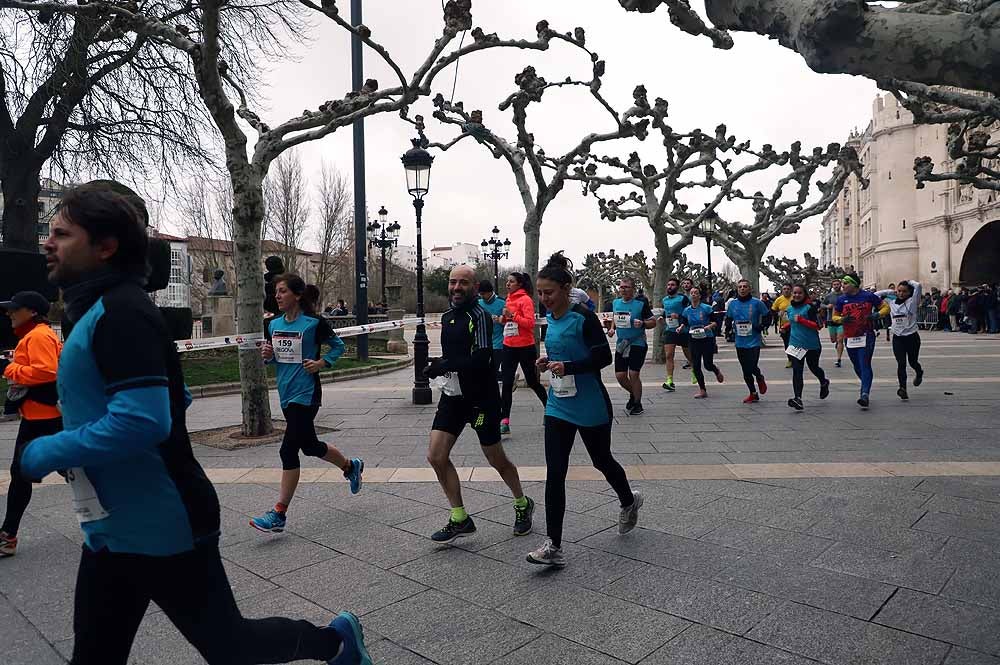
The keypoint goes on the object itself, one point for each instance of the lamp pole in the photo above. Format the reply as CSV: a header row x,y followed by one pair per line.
x,y
417,163
495,249
360,251
708,228
383,235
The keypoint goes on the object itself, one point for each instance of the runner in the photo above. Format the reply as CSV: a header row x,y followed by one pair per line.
x,y
836,331
631,318
804,347
518,318
674,304
778,307
293,343
493,304
696,320
748,315
577,350
149,515
468,396
857,311
905,338
686,285
31,375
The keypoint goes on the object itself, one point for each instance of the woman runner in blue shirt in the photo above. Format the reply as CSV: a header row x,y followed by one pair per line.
x,y
576,352
697,321
804,347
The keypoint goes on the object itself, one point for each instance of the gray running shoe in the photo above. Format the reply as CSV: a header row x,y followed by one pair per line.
x,y
547,555
629,516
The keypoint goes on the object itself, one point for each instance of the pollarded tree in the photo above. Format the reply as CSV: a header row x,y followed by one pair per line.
x,y
817,279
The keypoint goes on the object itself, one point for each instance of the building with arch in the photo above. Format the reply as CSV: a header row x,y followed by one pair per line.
x,y
946,234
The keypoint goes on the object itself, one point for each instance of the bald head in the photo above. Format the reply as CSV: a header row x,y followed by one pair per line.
x,y
462,286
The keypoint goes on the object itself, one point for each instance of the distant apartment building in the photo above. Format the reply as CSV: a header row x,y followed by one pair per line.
x,y
48,201
453,255
406,257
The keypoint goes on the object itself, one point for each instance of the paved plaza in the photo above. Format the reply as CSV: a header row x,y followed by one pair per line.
x,y
767,537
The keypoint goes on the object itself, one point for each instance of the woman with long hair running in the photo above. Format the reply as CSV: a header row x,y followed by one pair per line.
x,y
905,338
576,352
293,343
804,347
696,320
518,321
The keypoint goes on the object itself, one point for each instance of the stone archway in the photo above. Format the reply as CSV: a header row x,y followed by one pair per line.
x,y
979,262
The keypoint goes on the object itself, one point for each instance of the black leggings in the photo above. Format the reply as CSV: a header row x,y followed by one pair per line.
x,y
906,348
559,438
300,434
19,492
524,356
750,364
113,591
811,359
702,350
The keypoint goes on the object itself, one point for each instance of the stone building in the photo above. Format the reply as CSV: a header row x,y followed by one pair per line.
x,y
945,234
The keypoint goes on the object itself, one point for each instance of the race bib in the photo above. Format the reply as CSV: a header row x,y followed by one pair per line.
x,y
563,386
448,384
658,311
510,329
86,503
287,347
673,324
857,342
796,352
744,328
698,333
623,319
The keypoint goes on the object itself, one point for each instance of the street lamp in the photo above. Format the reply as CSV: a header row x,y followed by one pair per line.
x,y
417,163
383,235
707,229
495,249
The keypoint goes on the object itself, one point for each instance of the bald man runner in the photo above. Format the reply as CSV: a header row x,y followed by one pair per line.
x,y
469,395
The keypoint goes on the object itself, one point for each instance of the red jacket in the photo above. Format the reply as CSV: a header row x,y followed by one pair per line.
x,y
36,360
523,314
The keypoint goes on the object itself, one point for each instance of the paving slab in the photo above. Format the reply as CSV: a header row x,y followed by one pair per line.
x,y
944,619
702,645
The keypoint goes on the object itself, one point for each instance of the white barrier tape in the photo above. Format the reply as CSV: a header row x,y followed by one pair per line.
x,y
255,340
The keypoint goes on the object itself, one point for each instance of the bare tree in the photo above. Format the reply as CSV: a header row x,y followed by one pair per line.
x,y
287,203
817,279
334,232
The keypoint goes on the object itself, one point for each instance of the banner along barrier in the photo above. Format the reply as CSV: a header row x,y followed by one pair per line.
x,y
255,340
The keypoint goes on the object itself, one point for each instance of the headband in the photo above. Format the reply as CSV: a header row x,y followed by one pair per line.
x,y
850,280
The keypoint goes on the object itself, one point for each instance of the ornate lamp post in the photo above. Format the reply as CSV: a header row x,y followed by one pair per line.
x,y
708,228
417,163
383,235
495,249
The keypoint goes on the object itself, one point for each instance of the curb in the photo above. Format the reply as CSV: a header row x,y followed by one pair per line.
x,y
336,376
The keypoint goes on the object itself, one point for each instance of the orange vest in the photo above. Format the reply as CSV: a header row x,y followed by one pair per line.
x,y
35,362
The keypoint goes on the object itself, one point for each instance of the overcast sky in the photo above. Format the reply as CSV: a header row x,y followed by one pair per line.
x,y
763,92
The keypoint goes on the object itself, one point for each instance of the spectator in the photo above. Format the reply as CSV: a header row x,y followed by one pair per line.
x,y
943,322
341,308
955,306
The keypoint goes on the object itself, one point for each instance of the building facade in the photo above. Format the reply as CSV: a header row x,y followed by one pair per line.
x,y
454,255
48,201
406,256
178,291
943,235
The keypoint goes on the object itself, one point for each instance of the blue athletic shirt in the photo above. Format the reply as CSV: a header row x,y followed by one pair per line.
x,y
752,310
578,340
698,317
302,339
858,308
495,308
638,310
802,336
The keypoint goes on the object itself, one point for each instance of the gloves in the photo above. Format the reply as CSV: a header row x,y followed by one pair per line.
x,y
433,369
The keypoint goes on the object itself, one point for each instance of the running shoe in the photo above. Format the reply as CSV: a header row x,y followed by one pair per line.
x,y
628,517
824,389
8,544
453,530
762,385
686,366
352,637
902,394
629,404
918,379
522,518
547,555
718,375
694,379
863,402
668,385
354,475
788,364
751,398
636,409
796,403
270,522
505,426
701,394
837,364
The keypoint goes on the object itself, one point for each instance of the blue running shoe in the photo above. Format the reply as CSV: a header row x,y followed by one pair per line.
x,y
270,522
354,475
353,637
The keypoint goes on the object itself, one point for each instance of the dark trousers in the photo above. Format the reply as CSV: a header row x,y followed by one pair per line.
x,y
750,364
559,438
19,492
702,352
113,591
300,434
523,356
906,348
798,367
498,362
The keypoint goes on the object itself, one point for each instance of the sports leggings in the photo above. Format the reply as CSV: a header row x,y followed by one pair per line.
x,y
750,364
798,367
702,351
559,437
906,348
861,359
523,356
19,492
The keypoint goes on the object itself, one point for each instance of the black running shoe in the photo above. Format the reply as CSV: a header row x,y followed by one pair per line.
x,y
902,394
636,409
522,518
453,530
629,404
824,389
686,366
863,402
918,379
796,403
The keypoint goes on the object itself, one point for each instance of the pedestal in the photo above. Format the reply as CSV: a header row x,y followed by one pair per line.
x,y
222,310
397,342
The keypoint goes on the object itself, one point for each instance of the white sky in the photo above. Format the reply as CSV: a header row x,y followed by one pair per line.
x,y
763,92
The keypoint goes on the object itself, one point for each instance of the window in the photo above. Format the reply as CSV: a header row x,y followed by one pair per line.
x,y
904,223
41,207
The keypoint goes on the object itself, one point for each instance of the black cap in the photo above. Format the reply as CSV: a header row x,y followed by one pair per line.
x,y
485,286
32,300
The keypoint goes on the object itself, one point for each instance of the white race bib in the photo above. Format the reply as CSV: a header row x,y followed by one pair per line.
x,y
563,386
744,328
698,333
623,319
86,503
287,347
510,329
673,324
796,352
857,342
448,384
658,311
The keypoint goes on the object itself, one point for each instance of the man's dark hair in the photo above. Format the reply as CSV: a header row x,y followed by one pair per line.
x,y
486,286
104,214
274,264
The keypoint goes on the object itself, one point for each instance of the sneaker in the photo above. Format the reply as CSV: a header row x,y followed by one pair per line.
x,y
918,379
751,398
453,530
8,544
505,426
354,475
762,385
824,389
270,522
628,517
837,364
701,394
694,379
788,364
669,385
686,366
547,555
863,402
902,394
629,404
718,375
796,403
352,637
636,409
522,518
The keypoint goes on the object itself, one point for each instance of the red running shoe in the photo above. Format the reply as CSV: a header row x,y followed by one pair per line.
x,y
751,398
762,384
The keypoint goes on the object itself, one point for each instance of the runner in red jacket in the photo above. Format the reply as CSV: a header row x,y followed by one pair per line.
x,y
518,320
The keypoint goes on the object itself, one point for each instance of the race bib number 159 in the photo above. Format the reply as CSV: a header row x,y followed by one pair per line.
x,y
287,347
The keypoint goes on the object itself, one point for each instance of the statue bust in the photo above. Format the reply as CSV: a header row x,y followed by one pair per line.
x,y
219,287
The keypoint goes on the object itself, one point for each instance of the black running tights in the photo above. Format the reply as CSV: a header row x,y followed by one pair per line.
x,y
750,364
523,356
19,492
811,359
702,351
906,348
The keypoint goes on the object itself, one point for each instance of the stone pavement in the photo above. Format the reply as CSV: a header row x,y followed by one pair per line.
x,y
767,537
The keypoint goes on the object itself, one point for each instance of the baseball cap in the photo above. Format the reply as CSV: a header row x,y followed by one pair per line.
x,y
32,300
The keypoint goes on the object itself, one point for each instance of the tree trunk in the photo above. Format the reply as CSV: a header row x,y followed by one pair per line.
x,y
248,215
748,262
532,236
664,264
21,189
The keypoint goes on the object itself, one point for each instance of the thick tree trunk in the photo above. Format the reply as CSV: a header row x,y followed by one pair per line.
x,y
532,237
664,264
748,262
20,189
